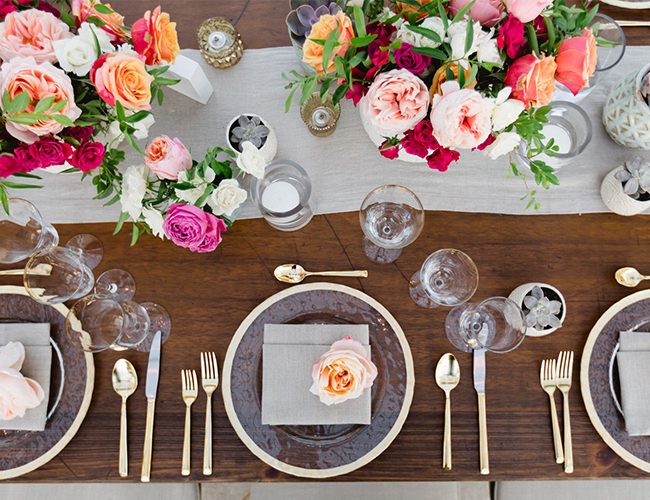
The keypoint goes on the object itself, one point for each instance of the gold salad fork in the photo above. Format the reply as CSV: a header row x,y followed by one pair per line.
x,y
565,369
210,381
548,379
190,392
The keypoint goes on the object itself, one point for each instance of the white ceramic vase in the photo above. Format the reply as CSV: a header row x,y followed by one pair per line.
x,y
611,191
270,147
517,296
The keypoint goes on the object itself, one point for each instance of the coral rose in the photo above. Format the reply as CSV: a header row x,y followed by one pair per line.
x,y
526,10
39,81
167,157
396,101
113,23
486,12
576,61
461,118
343,372
532,79
440,77
313,53
154,37
31,33
124,78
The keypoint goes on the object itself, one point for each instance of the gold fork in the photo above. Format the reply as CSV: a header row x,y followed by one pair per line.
x,y
565,364
190,392
210,381
548,379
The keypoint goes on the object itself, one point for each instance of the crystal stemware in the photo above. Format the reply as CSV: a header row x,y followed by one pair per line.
x,y
497,324
89,248
391,218
23,231
116,283
447,277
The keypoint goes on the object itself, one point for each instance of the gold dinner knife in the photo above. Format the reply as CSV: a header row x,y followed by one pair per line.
x,y
153,371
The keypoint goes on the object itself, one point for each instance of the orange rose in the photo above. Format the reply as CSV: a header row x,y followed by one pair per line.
x,y
114,23
532,80
576,61
406,8
155,38
440,77
124,78
313,53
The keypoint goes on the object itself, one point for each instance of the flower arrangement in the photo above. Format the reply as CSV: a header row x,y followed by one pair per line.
x,y
434,77
73,84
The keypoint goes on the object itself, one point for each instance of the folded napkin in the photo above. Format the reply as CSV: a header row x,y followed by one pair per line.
x,y
634,373
289,352
38,360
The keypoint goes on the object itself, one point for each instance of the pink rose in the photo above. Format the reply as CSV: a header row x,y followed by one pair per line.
x,y
511,36
212,236
31,33
377,56
442,158
486,12
190,227
25,156
50,152
10,165
167,157
17,393
405,58
526,10
396,101
460,118
88,156
343,372
39,81
81,134
576,61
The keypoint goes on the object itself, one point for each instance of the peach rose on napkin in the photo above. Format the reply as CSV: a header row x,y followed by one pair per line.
x,y
31,33
576,61
154,37
526,10
122,77
343,372
113,23
313,53
167,157
17,393
461,118
396,102
532,80
39,81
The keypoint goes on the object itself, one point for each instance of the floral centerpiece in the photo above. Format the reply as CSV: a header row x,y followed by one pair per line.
x,y
434,77
73,84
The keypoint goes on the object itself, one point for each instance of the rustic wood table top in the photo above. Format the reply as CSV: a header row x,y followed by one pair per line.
x,y
208,296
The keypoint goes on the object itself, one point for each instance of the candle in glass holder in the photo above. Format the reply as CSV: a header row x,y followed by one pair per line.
x,y
280,197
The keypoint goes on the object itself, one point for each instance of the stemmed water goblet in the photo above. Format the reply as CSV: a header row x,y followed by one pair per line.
x,y
391,218
497,324
447,277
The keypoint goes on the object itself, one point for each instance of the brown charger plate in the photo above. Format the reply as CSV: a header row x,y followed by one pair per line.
x,y
24,451
626,314
319,450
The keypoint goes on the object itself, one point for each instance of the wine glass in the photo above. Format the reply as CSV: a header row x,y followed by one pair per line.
x,y
497,324
89,248
68,279
447,277
23,231
116,283
391,218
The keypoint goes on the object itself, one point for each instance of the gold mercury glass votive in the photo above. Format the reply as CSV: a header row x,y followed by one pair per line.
x,y
320,117
221,45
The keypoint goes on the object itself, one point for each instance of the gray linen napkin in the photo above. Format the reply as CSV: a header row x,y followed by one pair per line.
x,y
289,352
38,360
634,373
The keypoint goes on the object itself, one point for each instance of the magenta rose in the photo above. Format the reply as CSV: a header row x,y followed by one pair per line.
x,y
377,56
10,165
27,159
423,133
389,152
46,7
485,143
88,156
6,6
412,146
212,236
81,134
190,227
511,36
383,31
405,58
356,93
441,158
50,152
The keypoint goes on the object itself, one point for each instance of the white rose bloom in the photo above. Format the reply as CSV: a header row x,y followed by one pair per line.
x,y
193,194
506,113
126,48
456,35
227,198
417,40
504,143
387,14
154,220
86,32
141,127
251,160
134,187
488,52
75,55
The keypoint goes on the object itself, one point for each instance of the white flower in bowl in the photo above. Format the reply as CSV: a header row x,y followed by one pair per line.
x,y
227,198
251,160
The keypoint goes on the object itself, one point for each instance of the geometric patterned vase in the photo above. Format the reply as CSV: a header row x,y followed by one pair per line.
x,y
626,115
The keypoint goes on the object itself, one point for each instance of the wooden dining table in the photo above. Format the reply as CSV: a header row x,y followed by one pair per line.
x,y
209,295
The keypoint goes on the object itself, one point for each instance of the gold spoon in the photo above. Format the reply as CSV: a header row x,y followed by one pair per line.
x,y
447,377
125,381
294,273
630,277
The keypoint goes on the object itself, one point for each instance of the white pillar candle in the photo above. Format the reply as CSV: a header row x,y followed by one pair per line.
x,y
280,197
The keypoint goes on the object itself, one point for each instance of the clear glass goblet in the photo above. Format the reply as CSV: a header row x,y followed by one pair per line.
x,y
23,231
68,278
447,277
391,218
89,248
116,283
497,324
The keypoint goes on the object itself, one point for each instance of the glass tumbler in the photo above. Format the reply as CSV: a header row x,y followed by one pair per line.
x,y
23,231
283,195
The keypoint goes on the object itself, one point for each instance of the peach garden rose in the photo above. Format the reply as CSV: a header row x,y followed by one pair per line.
x,y
532,80
313,53
576,61
154,36
124,78
343,372
167,157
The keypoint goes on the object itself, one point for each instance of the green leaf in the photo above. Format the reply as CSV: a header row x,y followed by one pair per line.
x,y
15,185
355,61
472,73
308,90
427,33
532,38
135,234
287,105
120,111
339,93
113,200
166,81
363,41
449,74
412,3
332,39
590,16
136,117
18,104
63,120
325,87
208,191
461,13
68,19
6,100
27,176
359,22
443,15
550,30
469,37
44,104
22,119
95,20
59,106
102,9
3,198
339,65
461,77
433,53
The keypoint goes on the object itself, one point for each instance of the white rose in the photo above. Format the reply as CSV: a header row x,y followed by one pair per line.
x,y
506,113
86,31
193,194
126,48
134,187
75,55
227,198
251,160
417,40
387,14
457,33
154,220
488,52
504,143
141,127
